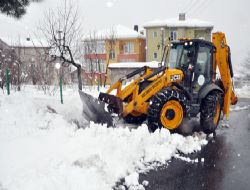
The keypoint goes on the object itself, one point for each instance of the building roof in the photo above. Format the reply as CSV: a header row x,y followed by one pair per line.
x,y
175,22
3,44
117,32
153,64
25,42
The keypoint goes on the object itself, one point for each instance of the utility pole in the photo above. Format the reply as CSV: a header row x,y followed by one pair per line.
x,y
162,41
7,75
61,94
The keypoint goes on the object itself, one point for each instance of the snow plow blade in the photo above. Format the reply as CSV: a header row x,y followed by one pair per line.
x,y
94,110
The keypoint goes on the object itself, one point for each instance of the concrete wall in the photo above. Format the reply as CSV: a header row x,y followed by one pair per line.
x,y
117,73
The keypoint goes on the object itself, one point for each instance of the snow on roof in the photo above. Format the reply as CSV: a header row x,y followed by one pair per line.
x,y
117,31
175,22
3,44
25,42
153,64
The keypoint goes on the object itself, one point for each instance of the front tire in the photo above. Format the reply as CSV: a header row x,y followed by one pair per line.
x,y
166,110
211,107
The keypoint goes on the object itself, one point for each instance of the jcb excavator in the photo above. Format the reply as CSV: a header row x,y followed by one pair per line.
x,y
186,86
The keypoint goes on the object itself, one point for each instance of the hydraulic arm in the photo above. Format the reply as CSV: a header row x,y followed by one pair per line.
x,y
223,61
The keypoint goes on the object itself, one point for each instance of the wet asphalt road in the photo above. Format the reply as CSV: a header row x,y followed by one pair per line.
x,y
226,165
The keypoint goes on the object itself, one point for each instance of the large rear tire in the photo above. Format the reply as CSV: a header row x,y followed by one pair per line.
x,y
166,110
211,107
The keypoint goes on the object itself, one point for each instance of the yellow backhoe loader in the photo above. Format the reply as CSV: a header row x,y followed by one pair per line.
x,y
195,80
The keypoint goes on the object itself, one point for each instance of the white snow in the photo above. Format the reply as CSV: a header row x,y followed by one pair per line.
x,y
145,183
240,108
132,179
116,32
153,64
243,92
30,41
45,150
175,22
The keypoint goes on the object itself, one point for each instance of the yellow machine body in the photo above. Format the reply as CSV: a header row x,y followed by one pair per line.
x,y
134,98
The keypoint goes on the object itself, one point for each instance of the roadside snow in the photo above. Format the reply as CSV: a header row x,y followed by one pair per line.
x,y
44,150
243,92
239,108
132,179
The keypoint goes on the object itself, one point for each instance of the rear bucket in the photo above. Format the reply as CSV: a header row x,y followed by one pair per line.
x,y
94,110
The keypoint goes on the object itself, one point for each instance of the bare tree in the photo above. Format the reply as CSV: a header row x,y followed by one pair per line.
x,y
61,28
34,65
111,40
18,74
94,48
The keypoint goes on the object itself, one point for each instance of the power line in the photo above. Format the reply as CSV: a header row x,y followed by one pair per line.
x,y
184,7
192,5
202,7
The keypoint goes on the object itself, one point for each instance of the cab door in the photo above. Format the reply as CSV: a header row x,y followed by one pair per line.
x,y
202,73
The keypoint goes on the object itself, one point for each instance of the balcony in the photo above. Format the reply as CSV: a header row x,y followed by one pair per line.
x,y
95,56
130,57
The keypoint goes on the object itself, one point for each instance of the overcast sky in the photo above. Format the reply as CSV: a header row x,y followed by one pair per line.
x,y
229,16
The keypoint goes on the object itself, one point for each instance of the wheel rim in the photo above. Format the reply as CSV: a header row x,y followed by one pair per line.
x,y
217,115
171,114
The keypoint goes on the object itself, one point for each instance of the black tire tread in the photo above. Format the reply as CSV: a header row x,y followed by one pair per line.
x,y
158,101
208,112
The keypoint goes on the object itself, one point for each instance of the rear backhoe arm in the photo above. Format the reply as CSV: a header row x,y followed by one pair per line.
x,y
223,61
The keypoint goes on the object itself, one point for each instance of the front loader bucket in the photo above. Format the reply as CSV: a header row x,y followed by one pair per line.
x,y
94,110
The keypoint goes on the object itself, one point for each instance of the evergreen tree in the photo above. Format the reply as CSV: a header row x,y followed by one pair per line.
x,y
15,8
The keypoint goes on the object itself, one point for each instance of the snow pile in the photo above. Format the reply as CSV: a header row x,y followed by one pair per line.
x,y
41,149
132,179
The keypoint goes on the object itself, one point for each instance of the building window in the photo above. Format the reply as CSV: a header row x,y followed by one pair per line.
x,y
129,48
155,55
154,34
173,35
100,49
112,54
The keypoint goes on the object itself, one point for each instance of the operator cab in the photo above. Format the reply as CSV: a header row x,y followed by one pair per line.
x,y
195,59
